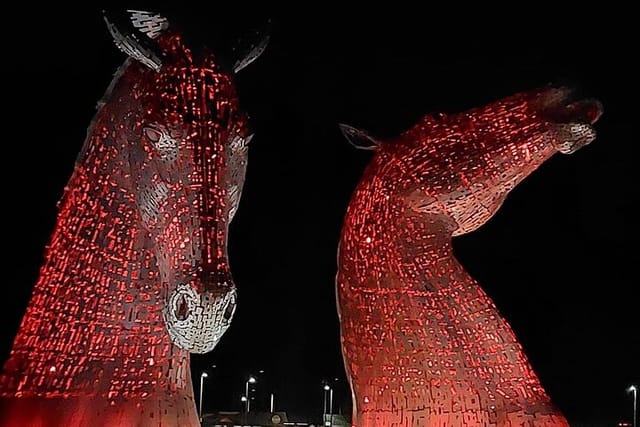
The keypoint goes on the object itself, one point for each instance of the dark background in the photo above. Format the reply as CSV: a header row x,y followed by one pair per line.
x,y
559,258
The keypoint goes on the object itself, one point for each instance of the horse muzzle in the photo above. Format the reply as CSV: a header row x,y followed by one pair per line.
x,y
196,321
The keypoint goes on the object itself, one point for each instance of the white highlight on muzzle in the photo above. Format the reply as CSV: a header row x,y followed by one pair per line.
x,y
196,322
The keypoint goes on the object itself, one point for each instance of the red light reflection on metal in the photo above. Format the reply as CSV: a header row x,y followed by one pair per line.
x,y
423,344
136,273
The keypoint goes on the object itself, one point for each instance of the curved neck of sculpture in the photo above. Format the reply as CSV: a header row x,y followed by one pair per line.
x,y
418,333
422,343
93,326
98,291
92,347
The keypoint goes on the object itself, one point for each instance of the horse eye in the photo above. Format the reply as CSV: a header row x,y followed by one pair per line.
x,y
152,134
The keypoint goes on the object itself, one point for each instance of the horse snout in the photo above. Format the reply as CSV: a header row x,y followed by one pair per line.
x,y
197,320
570,137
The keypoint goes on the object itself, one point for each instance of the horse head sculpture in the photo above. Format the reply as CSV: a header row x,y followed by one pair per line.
x,y
137,274
187,172
423,344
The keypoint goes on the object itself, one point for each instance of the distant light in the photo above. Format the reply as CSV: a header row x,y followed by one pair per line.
x,y
204,375
632,389
368,240
326,387
252,380
243,398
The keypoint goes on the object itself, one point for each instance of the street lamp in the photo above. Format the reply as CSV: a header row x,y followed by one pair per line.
x,y
331,407
324,407
203,375
251,380
327,388
633,389
244,400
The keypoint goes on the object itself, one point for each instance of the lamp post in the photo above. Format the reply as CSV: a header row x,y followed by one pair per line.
x,y
633,389
324,407
203,375
327,390
243,399
331,407
251,380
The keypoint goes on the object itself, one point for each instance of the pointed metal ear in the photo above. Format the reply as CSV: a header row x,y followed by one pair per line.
x,y
149,23
359,138
132,32
250,47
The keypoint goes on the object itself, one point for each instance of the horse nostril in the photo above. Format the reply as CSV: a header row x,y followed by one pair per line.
x,y
229,310
182,310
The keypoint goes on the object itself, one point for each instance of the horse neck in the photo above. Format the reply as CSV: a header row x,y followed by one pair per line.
x,y
94,321
385,244
399,281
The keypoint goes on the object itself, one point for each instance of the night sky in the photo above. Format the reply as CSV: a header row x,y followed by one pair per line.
x,y
559,259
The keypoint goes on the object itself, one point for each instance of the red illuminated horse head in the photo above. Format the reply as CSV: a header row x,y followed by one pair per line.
x,y
187,156
137,275
462,166
423,344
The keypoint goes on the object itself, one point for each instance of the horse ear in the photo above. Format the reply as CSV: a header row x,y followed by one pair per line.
x,y
149,23
249,47
133,31
359,138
